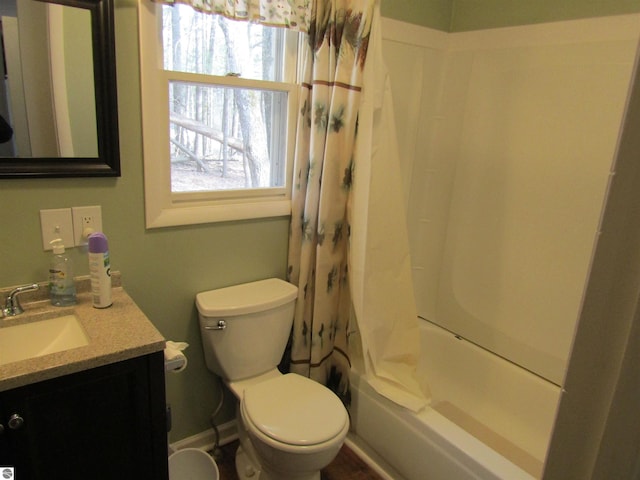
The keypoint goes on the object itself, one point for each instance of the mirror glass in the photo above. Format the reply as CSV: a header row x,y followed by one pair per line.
x,y
58,100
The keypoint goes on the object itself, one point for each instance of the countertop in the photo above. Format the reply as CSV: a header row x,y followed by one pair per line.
x,y
116,333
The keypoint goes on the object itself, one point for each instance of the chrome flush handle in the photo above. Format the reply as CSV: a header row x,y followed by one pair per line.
x,y
221,325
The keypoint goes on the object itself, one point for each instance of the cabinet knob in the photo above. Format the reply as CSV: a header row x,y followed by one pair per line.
x,y
15,421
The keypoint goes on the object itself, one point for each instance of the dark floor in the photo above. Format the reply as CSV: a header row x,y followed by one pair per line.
x,y
346,466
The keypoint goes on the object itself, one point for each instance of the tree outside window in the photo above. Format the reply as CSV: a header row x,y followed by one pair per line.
x,y
228,116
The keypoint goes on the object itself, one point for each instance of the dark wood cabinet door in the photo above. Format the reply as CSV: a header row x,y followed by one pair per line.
x,y
104,423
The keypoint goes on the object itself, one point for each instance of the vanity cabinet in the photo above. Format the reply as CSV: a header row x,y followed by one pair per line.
x,y
105,423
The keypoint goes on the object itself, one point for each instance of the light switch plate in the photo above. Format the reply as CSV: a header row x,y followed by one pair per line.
x,y
56,223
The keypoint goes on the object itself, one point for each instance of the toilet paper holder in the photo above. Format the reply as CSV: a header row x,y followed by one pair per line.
x,y
174,360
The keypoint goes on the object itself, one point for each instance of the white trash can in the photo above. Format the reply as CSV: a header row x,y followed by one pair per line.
x,y
192,464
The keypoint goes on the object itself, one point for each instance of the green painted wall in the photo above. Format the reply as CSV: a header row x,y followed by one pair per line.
x,y
427,13
463,15
482,14
163,269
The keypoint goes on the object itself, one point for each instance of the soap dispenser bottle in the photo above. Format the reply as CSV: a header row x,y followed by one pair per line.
x,y
61,285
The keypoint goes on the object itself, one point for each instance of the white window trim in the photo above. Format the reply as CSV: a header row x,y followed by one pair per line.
x,y
164,209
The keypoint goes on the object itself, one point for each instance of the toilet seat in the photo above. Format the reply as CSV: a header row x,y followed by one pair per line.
x,y
294,411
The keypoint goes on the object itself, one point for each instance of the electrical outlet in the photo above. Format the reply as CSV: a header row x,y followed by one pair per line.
x,y
56,223
85,219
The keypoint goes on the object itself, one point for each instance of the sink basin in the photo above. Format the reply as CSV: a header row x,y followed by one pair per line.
x,y
29,340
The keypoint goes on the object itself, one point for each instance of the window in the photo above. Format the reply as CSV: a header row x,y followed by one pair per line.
x,y
218,102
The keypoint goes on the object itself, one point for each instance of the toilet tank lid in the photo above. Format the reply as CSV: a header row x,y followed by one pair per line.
x,y
245,298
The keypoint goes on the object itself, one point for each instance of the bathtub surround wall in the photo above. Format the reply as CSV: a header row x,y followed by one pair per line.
x,y
513,147
495,134
490,114
163,269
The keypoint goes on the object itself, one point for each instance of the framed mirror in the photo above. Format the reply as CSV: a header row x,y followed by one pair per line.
x,y
59,95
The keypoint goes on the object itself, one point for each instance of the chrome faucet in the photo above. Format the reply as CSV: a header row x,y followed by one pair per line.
x,y
12,305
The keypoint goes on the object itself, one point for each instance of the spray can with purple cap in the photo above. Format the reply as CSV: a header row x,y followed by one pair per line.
x,y
100,270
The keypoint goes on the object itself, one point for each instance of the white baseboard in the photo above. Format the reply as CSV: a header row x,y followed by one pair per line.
x,y
205,440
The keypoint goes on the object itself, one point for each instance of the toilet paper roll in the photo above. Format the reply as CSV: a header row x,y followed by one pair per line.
x,y
174,360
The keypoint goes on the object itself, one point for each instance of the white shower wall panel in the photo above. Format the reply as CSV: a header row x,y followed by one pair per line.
x,y
410,84
511,150
414,58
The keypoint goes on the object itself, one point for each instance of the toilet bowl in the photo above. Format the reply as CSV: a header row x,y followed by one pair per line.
x,y
295,425
192,464
290,427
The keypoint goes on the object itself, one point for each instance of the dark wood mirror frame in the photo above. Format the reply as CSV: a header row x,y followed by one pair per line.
x,y
107,164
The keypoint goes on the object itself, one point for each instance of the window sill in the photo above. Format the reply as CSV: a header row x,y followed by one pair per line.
x,y
192,215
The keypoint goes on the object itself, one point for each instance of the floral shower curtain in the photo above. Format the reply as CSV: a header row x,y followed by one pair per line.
x,y
318,244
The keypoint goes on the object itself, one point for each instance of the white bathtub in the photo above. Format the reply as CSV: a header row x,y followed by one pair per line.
x,y
488,418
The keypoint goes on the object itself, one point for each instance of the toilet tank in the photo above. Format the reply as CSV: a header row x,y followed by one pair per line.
x,y
257,319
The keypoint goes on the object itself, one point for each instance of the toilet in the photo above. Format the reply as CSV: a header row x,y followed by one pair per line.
x,y
290,427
